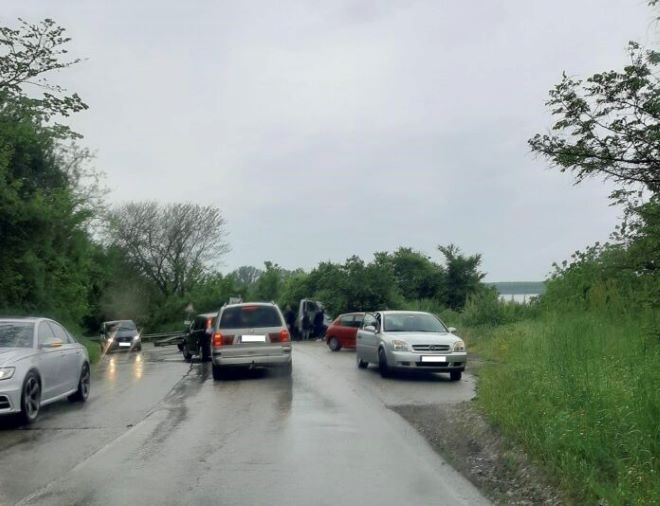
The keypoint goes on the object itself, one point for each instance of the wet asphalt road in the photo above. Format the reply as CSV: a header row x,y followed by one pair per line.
x,y
157,430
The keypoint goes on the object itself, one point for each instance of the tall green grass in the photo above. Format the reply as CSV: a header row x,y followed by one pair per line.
x,y
93,349
582,393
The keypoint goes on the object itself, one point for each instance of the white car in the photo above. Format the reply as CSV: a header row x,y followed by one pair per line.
x,y
410,341
40,363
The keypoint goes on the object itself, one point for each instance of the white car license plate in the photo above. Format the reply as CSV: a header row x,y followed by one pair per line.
x,y
124,345
253,339
437,358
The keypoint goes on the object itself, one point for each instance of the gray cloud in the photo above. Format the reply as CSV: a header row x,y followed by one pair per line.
x,y
327,129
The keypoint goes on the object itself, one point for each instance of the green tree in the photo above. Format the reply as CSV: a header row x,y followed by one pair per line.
x,y
416,276
172,245
608,126
246,276
268,286
46,252
27,54
462,276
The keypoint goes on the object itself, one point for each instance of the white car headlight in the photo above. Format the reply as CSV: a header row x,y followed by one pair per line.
x,y
459,346
6,372
399,345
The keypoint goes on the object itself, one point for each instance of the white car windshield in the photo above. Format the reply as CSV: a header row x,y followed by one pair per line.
x,y
412,322
16,334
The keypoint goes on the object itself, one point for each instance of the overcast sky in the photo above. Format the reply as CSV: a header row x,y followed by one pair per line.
x,y
324,129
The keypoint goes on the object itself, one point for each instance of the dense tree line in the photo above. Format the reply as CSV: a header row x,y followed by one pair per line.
x,y
390,280
149,261
143,259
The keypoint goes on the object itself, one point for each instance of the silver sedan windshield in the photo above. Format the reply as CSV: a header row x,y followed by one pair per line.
x,y
412,322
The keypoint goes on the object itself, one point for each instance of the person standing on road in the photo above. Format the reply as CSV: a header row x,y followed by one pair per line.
x,y
306,325
318,323
290,319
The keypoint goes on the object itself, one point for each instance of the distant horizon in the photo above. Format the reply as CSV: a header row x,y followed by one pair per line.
x,y
518,287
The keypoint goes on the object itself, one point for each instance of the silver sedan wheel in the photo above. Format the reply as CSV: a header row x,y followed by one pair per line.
x,y
84,382
83,385
382,364
31,400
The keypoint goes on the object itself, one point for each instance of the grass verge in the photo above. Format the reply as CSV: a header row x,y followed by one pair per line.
x,y
581,392
93,349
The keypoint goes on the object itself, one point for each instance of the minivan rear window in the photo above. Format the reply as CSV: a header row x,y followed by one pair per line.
x,y
246,317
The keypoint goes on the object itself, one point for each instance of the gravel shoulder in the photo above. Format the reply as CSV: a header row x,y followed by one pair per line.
x,y
461,434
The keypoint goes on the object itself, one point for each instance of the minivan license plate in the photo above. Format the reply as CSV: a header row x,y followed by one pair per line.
x,y
253,339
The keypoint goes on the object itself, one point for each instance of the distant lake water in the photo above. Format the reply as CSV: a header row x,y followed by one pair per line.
x,y
520,298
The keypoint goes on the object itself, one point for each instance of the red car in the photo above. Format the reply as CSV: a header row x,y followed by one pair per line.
x,y
342,331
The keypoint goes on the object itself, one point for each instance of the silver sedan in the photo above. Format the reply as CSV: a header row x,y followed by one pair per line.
x,y
409,340
40,363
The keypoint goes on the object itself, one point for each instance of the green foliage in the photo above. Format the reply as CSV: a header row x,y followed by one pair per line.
x,y
583,395
415,275
93,349
486,308
462,278
602,278
608,126
246,276
268,285
212,291
27,53
171,245
45,255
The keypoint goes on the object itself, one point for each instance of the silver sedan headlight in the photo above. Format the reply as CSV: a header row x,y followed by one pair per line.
x,y
6,372
399,345
459,346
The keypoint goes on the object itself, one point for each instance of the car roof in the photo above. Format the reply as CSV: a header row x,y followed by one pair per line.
x,y
118,321
402,311
242,304
351,313
207,315
23,318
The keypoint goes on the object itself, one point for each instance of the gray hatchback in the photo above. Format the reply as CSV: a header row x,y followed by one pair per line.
x,y
249,335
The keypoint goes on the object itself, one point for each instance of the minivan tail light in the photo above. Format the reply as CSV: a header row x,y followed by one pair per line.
x,y
217,339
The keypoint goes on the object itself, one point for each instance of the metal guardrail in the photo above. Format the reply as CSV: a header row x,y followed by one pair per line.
x,y
158,338
162,338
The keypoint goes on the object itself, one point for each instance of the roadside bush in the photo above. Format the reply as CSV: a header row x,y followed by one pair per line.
x,y
93,349
582,392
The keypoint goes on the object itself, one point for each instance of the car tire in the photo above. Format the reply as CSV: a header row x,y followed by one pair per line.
x,y
30,398
455,375
218,373
361,363
383,367
334,344
186,353
82,393
138,347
